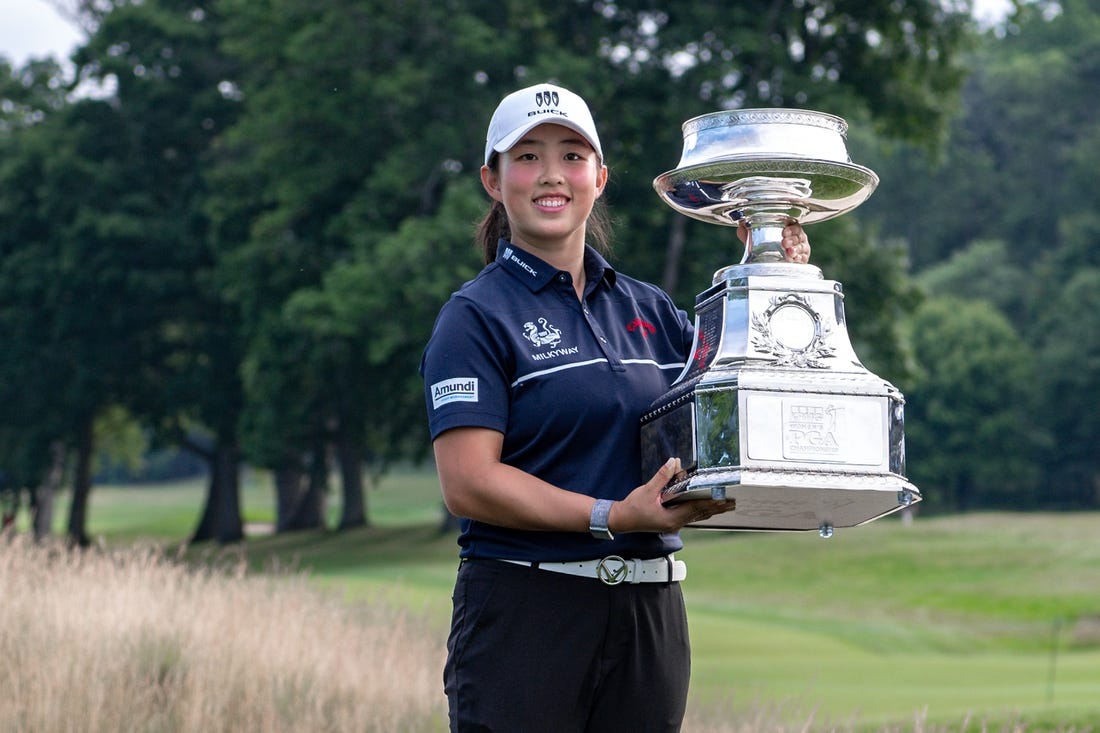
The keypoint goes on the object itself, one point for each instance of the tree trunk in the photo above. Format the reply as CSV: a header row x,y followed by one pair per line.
x,y
353,513
82,484
288,494
964,495
221,516
228,528
312,510
205,529
449,522
301,499
43,494
9,508
677,236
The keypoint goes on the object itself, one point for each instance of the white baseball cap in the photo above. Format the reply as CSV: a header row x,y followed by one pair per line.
x,y
521,111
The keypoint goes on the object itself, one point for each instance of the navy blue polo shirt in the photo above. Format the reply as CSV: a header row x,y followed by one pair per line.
x,y
565,382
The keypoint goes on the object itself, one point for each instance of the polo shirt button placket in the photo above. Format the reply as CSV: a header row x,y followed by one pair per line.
x,y
565,286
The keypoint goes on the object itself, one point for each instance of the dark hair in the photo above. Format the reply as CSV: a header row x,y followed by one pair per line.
x,y
494,226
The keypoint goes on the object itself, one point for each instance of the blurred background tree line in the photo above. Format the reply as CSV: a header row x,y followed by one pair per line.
x,y
226,233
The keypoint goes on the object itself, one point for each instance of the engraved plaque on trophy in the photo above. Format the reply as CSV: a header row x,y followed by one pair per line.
x,y
774,409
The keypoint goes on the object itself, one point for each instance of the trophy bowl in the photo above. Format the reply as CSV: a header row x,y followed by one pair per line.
x,y
765,167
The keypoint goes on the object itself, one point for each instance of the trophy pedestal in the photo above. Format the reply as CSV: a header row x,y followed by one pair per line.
x,y
775,411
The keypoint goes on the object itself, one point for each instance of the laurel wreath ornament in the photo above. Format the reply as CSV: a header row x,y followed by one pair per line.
x,y
767,341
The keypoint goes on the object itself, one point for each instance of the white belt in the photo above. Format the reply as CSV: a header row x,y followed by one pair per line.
x,y
613,570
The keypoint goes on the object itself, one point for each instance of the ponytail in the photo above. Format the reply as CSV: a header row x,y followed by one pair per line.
x,y
491,230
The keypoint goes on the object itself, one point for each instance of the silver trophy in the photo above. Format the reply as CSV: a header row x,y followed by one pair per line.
x,y
774,409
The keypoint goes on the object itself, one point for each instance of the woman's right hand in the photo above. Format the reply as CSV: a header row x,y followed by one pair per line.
x,y
642,510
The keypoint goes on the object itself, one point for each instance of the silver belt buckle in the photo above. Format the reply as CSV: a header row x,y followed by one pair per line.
x,y
612,570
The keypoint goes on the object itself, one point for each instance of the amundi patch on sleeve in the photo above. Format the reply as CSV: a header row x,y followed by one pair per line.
x,y
462,389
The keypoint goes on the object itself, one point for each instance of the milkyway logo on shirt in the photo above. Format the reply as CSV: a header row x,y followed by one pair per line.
x,y
542,335
546,335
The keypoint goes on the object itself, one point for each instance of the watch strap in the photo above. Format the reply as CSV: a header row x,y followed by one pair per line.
x,y
598,519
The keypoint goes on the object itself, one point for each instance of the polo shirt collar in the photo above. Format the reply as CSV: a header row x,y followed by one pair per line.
x,y
537,273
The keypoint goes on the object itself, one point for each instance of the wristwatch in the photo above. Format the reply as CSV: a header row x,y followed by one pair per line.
x,y
597,521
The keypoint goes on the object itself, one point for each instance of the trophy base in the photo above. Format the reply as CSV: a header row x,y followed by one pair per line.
x,y
776,412
794,501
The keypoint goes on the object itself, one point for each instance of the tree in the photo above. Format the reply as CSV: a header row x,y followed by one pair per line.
x,y
1020,154
169,78
63,288
983,271
358,122
109,241
33,418
386,287
1008,212
244,237
343,141
970,439
1068,383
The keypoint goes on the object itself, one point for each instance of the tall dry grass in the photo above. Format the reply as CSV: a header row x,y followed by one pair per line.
x,y
113,641
100,641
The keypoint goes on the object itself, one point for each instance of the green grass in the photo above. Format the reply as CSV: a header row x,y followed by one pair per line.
x,y
171,510
991,616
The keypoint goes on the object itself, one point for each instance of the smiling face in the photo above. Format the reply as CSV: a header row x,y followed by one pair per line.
x,y
548,182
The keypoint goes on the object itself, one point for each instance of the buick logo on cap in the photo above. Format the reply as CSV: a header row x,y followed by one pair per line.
x,y
546,99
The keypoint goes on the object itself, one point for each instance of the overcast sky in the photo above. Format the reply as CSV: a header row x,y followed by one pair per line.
x,y
33,28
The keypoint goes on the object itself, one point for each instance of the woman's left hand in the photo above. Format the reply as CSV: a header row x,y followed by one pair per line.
x,y
796,245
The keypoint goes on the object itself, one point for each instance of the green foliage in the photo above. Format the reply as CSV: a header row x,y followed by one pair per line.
x,y
106,241
380,305
1021,154
1007,215
120,439
982,271
1069,382
968,413
29,94
878,293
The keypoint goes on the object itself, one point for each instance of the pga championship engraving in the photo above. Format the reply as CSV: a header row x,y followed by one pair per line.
x,y
813,431
774,408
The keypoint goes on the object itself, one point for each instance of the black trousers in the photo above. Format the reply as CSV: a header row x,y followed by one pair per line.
x,y
531,650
